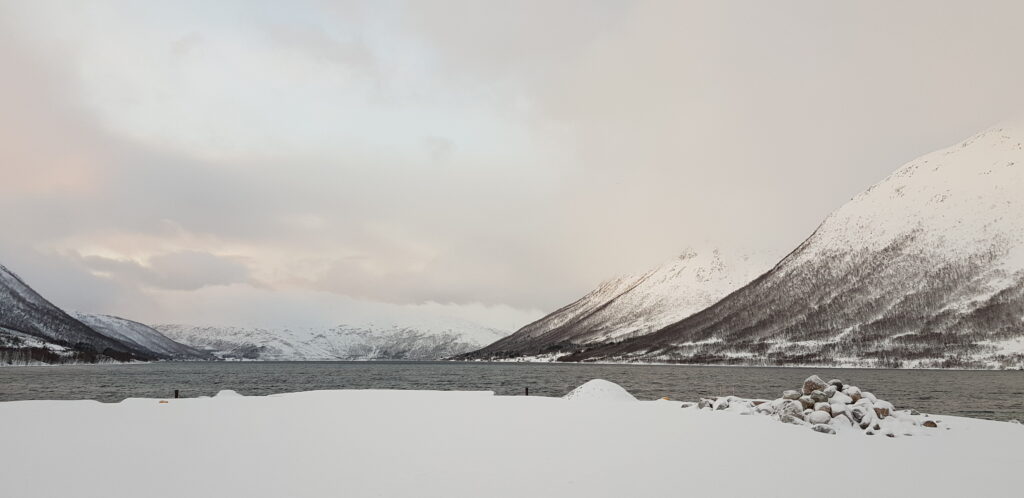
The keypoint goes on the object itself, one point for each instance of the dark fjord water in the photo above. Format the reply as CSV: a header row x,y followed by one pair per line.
x,y
995,395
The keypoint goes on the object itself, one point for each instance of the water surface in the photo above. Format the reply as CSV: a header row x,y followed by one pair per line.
x,y
995,395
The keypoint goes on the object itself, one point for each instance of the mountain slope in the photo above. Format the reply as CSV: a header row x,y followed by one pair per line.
x,y
926,268
141,336
34,330
634,305
344,342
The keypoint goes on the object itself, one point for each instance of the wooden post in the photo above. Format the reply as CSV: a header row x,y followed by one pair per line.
x,y
527,390
175,394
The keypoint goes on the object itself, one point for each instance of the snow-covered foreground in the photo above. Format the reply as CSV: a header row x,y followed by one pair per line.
x,y
448,444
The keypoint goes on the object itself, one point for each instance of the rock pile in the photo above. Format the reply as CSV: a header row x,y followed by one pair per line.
x,y
831,407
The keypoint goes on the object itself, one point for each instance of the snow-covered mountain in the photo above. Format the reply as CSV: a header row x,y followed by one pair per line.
x,y
428,341
141,336
33,330
634,305
926,268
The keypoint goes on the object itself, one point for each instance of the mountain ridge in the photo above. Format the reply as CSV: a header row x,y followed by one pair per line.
x,y
925,268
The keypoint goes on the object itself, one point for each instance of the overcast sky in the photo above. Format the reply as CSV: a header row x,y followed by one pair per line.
x,y
293,163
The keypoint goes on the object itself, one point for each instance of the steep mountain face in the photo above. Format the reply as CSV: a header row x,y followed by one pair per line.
x,y
142,337
926,268
634,305
343,342
33,330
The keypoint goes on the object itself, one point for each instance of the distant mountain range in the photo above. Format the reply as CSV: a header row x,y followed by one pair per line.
x,y
924,269
34,331
433,341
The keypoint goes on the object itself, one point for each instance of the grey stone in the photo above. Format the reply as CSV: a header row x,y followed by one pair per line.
x,y
790,411
842,420
822,428
819,417
814,383
853,392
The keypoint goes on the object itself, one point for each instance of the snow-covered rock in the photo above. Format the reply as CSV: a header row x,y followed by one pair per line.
x,y
862,416
813,383
819,417
823,428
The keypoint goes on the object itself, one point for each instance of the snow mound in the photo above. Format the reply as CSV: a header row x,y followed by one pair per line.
x,y
599,390
227,393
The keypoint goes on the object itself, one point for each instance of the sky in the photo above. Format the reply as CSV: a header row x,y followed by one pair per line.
x,y
303,163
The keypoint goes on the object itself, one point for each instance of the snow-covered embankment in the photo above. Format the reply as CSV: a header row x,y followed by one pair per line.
x,y
601,442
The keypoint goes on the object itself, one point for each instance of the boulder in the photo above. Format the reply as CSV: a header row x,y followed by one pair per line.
x,y
837,383
883,408
687,404
1014,421
705,403
859,414
822,428
819,417
818,396
814,383
765,408
841,420
830,391
853,392
790,411
869,396
841,398
721,404
790,394
930,423
823,407
807,401
838,409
